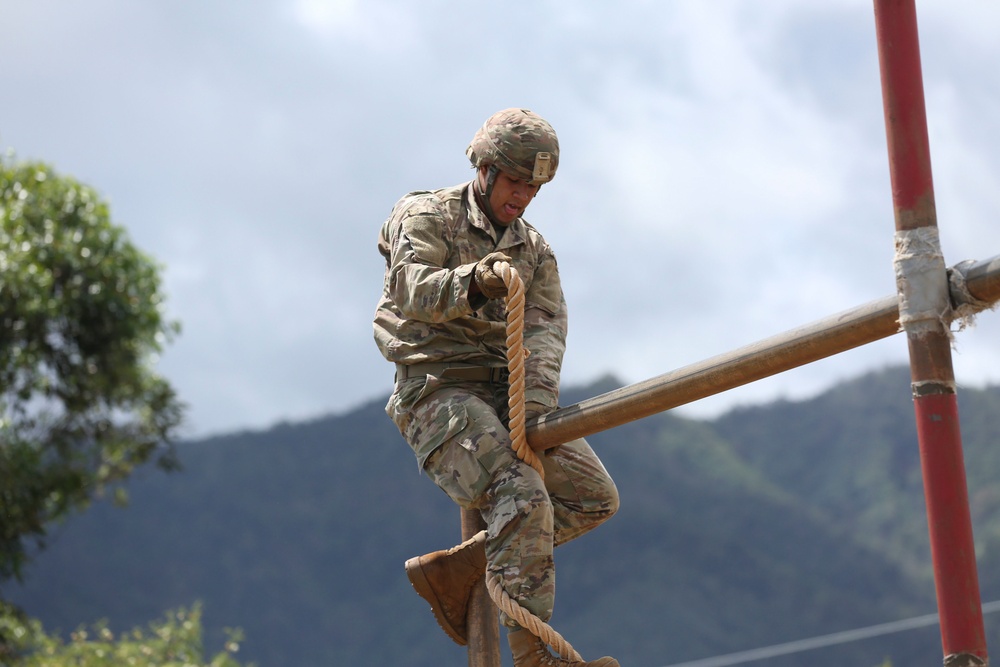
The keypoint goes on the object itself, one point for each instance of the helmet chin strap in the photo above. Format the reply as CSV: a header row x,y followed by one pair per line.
x,y
483,198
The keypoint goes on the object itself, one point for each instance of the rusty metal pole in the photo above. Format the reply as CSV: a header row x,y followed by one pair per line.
x,y
481,619
976,285
925,315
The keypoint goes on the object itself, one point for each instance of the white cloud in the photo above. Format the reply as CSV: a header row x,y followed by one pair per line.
x,y
724,175
326,15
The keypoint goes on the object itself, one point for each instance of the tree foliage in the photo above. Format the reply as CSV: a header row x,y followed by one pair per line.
x,y
176,641
81,323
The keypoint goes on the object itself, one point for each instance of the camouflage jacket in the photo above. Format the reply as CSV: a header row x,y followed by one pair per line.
x,y
431,243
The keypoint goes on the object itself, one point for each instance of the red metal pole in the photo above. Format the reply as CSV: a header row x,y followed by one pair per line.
x,y
925,315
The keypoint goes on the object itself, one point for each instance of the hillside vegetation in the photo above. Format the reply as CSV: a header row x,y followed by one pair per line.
x,y
766,525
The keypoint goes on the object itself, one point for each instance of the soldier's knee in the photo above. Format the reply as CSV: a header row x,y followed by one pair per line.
x,y
612,501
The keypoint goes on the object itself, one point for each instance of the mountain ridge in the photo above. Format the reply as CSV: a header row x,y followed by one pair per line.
x,y
767,524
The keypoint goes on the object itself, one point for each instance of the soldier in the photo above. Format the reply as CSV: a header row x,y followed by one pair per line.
x,y
441,320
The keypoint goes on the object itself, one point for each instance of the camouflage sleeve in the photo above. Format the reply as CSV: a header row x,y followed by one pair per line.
x,y
417,280
545,325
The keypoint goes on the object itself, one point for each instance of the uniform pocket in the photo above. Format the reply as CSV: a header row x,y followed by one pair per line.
x,y
466,460
409,399
431,424
505,510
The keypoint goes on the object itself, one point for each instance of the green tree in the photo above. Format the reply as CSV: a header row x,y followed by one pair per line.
x,y
176,641
81,323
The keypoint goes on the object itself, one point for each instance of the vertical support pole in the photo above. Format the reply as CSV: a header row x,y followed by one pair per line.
x,y
925,314
482,622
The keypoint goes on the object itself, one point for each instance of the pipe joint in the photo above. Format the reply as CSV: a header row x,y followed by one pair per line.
x,y
921,282
964,660
964,304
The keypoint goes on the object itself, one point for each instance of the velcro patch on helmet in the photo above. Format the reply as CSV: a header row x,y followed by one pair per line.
x,y
542,173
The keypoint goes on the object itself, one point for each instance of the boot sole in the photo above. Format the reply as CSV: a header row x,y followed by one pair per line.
x,y
423,588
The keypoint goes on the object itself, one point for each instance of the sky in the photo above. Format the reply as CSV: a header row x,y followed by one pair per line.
x,y
723,174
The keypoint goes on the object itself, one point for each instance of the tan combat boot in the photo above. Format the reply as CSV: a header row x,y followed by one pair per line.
x,y
446,579
530,651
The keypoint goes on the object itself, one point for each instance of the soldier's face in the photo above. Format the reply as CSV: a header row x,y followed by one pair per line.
x,y
510,196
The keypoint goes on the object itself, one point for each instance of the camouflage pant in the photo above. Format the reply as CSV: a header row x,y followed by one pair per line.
x,y
457,430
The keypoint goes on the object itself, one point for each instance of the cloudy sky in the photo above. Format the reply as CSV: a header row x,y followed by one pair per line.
x,y
723,178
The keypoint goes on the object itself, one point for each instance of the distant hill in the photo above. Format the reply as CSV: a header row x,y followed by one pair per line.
x,y
766,525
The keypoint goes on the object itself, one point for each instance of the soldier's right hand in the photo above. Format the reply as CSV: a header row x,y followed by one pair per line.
x,y
489,281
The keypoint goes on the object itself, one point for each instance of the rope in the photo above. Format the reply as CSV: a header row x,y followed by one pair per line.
x,y
516,354
515,364
529,621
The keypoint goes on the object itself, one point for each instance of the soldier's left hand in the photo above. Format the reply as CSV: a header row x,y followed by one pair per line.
x,y
533,409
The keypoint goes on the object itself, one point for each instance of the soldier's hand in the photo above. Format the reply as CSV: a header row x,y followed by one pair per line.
x,y
533,409
490,283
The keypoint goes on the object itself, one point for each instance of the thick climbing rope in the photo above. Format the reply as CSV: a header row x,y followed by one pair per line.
x,y
516,354
529,621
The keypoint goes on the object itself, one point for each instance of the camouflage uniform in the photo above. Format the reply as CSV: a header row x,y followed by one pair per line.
x,y
458,428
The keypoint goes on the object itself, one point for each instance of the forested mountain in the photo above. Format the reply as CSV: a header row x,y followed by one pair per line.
x,y
766,525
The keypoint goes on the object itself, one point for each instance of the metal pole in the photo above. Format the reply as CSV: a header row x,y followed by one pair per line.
x,y
481,619
797,347
924,313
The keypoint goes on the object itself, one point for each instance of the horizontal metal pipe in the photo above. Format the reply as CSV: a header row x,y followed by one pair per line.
x,y
983,279
797,347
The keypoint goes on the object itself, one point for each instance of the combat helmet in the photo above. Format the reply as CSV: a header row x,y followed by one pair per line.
x,y
520,143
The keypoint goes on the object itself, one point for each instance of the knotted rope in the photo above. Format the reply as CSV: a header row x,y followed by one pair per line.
x,y
516,354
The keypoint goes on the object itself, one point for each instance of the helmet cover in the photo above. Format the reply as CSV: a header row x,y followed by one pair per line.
x,y
520,143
